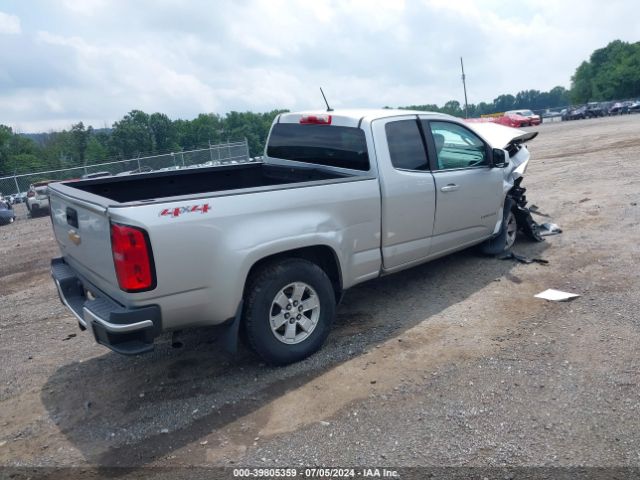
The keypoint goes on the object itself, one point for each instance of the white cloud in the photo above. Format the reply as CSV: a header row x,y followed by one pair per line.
x,y
9,24
85,7
96,60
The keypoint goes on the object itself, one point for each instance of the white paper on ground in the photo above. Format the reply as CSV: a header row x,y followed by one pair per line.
x,y
556,295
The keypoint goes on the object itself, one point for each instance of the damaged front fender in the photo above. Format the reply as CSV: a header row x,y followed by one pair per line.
x,y
518,163
512,141
525,221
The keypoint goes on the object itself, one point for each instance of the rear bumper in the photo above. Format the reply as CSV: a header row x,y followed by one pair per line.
x,y
40,204
123,330
37,208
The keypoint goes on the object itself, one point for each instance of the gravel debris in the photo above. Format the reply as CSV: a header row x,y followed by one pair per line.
x,y
484,374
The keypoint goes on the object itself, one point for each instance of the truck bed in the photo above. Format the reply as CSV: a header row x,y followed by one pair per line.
x,y
200,180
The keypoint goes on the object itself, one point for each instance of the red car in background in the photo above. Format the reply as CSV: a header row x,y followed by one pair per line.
x,y
510,119
531,118
513,120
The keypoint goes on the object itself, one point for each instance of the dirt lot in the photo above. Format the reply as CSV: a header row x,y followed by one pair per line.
x,y
451,363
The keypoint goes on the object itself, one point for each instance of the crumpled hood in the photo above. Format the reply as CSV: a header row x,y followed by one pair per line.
x,y
500,136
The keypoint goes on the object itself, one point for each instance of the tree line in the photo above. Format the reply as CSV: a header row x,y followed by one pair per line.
x,y
531,99
612,72
136,134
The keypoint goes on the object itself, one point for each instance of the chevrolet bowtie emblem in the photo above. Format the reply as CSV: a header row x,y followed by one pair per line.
x,y
74,237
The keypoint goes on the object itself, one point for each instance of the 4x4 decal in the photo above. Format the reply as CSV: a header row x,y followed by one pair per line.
x,y
177,211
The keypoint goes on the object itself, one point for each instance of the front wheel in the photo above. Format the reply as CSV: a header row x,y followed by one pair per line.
x,y
289,309
508,231
511,227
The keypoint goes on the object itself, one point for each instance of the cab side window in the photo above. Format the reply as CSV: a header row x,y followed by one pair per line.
x,y
457,146
406,147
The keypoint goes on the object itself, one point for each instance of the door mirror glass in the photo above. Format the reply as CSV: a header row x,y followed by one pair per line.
x,y
499,158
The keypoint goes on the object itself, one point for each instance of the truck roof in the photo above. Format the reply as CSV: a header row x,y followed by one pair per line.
x,y
353,117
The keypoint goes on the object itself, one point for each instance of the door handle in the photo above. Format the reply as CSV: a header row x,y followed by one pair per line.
x,y
452,187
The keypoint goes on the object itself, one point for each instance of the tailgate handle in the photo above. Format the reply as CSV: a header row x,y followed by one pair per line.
x,y
72,217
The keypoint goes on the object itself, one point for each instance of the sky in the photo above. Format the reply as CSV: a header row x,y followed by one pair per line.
x,y
93,61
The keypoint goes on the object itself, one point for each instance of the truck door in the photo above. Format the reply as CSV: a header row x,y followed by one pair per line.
x,y
407,188
469,193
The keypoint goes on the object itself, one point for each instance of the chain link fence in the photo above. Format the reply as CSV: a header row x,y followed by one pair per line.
x,y
222,154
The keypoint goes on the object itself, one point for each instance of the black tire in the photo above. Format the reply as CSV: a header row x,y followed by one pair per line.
x,y
500,243
262,289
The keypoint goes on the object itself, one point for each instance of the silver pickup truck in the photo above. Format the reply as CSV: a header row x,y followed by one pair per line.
x,y
340,197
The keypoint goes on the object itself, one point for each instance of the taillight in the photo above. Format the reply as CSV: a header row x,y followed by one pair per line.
x,y
31,194
322,119
132,258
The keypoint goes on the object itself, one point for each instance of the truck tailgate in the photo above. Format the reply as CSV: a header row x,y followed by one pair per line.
x,y
83,232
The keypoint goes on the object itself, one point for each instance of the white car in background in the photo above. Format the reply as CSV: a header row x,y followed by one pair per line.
x,y
38,199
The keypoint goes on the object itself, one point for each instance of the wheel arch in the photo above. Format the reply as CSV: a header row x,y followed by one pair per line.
x,y
322,255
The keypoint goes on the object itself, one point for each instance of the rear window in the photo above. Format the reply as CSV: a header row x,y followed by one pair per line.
x,y
334,146
405,145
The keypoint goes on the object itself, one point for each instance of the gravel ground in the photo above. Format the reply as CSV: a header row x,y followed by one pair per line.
x,y
451,363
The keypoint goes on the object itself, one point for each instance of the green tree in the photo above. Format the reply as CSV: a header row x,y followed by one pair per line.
x,y
504,102
431,107
132,136
452,107
611,73
18,154
252,126
558,97
581,83
528,99
79,138
5,136
164,132
484,108
204,129
58,151
24,154
96,151
25,163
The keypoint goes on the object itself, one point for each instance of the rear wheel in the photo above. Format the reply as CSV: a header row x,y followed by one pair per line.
x,y
289,309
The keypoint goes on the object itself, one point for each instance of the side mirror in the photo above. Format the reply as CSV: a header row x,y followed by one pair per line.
x,y
499,158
